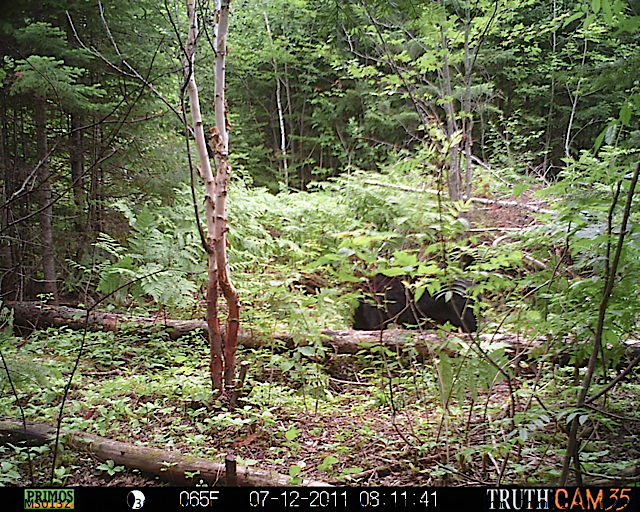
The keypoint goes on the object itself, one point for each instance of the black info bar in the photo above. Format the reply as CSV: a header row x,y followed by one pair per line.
x,y
610,499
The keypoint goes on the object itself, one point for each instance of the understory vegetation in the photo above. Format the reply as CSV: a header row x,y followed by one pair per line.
x,y
301,420
494,144
473,411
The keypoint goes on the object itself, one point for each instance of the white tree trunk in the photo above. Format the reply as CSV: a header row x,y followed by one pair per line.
x,y
283,139
216,189
220,145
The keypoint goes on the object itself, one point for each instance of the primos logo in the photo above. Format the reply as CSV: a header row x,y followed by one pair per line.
x,y
48,498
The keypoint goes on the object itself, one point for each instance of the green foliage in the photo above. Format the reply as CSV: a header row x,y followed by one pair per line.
x,y
24,370
475,368
162,260
552,64
290,228
588,226
161,391
8,472
42,38
43,71
362,103
110,468
48,77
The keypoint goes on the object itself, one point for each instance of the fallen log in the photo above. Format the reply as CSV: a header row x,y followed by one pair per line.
x,y
29,316
170,466
34,315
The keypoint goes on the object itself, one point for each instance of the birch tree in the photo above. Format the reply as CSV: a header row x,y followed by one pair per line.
x,y
283,139
216,190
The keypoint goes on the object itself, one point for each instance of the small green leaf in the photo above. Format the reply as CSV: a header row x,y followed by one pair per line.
x,y
590,19
572,18
519,189
292,433
404,259
345,252
307,351
599,139
393,272
625,114
430,269
327,463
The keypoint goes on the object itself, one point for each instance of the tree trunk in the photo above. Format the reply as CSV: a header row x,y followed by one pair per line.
x,y
466,107
454,176
552,98
46,216
221,151
16,187
95,217
7,274
575,98
213,322
283,139
76,161
216,190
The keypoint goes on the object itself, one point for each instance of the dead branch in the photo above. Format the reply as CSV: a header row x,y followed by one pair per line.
x,y
479,200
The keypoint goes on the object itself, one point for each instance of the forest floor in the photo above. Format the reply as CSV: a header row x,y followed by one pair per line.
x,y
352,436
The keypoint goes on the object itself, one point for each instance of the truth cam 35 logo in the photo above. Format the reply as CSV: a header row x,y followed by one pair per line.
x,y
570,499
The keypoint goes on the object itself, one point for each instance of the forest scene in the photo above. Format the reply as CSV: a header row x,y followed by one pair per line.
x,y
320,242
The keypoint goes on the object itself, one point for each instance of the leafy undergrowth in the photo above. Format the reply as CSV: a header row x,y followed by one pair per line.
x,y
365,419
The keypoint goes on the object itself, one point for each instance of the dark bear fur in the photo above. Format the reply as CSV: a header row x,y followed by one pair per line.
x,y
393,303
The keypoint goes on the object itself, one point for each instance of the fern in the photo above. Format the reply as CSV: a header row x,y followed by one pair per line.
x,y
473,369
162,261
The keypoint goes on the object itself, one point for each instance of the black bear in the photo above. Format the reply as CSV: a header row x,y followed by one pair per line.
x,y
394,303
391,303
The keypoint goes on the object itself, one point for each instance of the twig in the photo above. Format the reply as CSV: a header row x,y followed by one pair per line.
x,y
487,167
611,384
